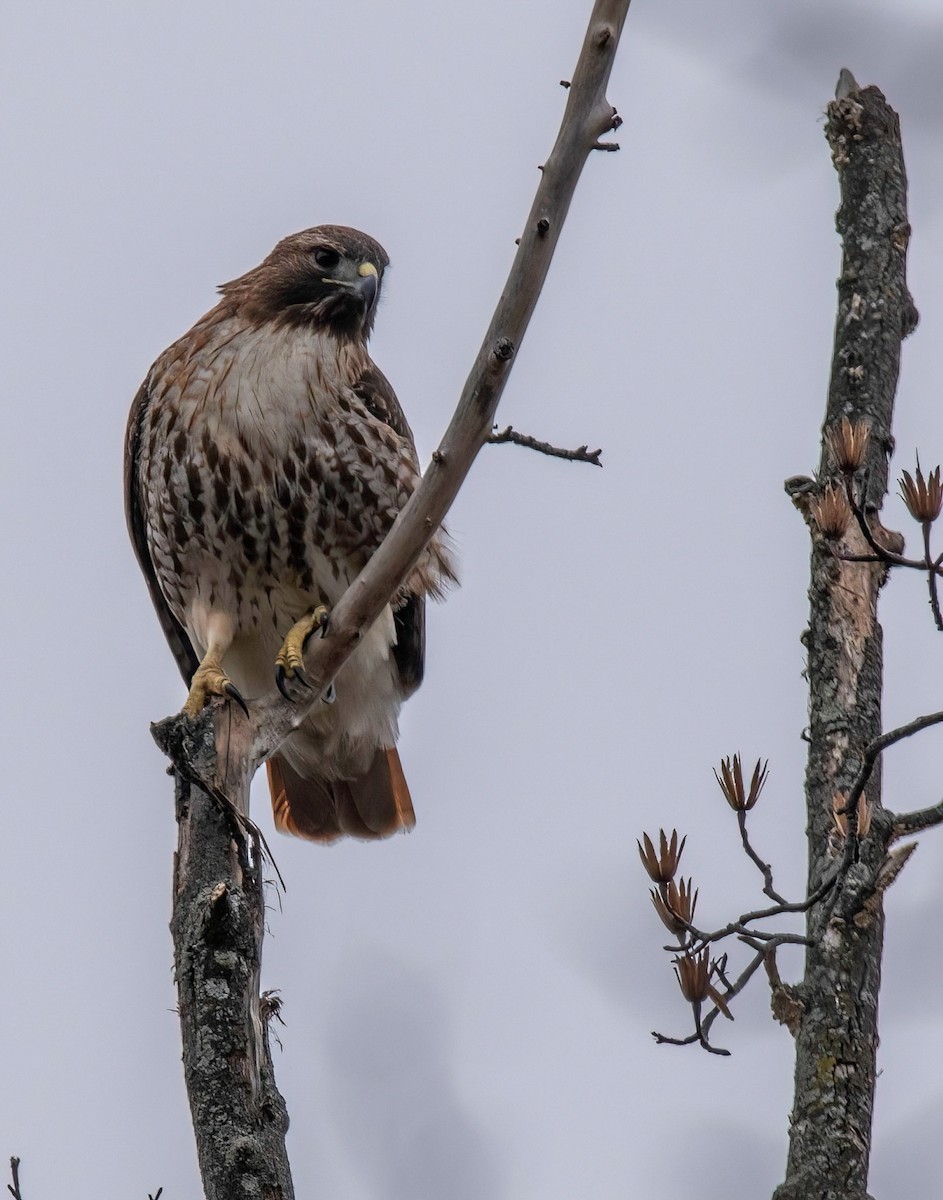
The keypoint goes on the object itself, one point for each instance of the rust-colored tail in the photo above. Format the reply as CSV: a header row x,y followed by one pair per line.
x,y
373,806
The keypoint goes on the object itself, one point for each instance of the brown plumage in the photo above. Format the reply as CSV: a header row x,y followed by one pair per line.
x,y
267,457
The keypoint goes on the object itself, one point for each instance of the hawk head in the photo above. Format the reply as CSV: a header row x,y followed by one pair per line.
x,y
325,278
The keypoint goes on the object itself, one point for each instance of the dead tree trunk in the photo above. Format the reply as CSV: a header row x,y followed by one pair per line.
x,y
837,1037
239,1117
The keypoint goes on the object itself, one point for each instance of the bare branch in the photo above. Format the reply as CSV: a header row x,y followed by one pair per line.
x,y
742,924
14,1187
849,809
934,568
510,435
903,824
877,747
885,554
764,868
242,744
703,1026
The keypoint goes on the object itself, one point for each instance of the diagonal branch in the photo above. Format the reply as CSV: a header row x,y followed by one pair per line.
x,y
243,743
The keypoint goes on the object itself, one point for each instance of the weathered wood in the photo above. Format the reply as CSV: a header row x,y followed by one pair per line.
x,y
239,1117
837,1034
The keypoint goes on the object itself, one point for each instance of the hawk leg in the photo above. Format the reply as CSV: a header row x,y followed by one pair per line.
x,y
211,680
289,662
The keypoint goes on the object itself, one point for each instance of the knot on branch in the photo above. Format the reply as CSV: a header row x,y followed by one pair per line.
x,y
787,1007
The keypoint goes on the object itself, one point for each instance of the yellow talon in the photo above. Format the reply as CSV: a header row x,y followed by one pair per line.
x,y
210,680
289,662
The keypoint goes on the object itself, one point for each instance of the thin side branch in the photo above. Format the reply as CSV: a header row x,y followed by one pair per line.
x,y
703,1026
903,824
934,568
510,435
885,554
877,747
763,867
14,1187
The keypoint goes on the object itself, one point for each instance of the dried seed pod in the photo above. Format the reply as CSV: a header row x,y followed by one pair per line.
x,y
831,512
848,445
731,783
675,904
923,496
694,976
661,867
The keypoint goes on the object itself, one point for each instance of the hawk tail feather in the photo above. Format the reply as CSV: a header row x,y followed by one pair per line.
x,y
320,810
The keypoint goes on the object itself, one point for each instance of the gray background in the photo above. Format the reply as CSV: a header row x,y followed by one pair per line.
x,y
469,1008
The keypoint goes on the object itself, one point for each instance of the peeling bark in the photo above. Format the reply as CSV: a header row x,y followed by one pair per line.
x,y
837,1035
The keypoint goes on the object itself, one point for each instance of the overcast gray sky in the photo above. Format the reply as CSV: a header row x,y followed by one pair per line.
x,y
468,1008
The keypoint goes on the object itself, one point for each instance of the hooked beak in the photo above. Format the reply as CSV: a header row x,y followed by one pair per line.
x,y
359,289
367,285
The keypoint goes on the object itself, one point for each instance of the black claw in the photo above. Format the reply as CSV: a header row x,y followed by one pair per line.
x,y
320,630
233,693
282,677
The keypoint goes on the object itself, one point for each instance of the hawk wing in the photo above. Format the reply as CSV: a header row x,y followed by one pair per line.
x,y
375,392
175,633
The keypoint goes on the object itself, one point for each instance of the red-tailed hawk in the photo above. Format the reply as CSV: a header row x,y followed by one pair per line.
x,y
266,459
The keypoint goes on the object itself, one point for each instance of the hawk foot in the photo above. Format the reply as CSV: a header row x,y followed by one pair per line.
x,y
210,680
289,662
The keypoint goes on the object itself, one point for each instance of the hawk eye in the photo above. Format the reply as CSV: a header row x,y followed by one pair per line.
x,y
325,257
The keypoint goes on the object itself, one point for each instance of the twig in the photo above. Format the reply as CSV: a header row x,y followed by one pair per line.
x,y
14,1187
702,1027
581,454
743,922
871,754
884,554
765,869
933,569
876,748
903,824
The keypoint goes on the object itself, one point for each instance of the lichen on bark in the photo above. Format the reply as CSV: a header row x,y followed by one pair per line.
x,y
837,1035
